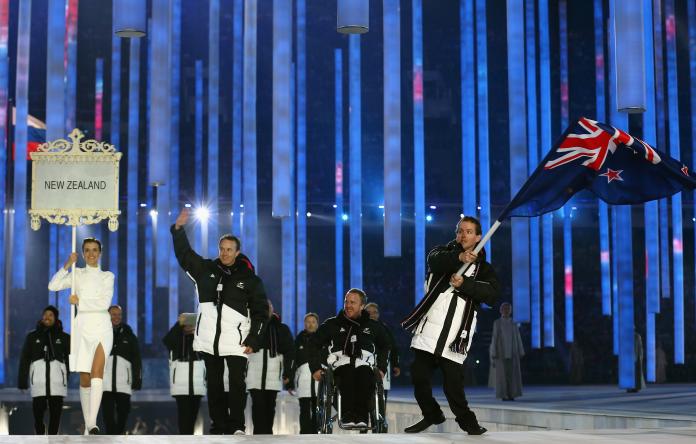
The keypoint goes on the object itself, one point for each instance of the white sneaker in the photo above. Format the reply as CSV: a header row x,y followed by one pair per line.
x,y
348,424
239,432
361,424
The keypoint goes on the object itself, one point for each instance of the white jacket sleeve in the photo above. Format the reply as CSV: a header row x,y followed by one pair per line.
x,y
60,281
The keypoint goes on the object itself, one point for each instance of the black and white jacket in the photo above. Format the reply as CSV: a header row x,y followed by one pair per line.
x,y
232,310
273,361
123,371
444,322
43,365
355,342
186,367
303,384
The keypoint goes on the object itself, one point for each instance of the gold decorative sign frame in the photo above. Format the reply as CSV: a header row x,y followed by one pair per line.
x,y
75,151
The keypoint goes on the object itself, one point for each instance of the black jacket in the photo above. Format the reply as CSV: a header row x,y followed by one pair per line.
x,y
303,348
393,348
180,345
126,347
241,291
43,343
336,335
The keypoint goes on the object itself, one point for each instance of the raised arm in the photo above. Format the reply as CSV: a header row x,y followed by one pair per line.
x,y
189,260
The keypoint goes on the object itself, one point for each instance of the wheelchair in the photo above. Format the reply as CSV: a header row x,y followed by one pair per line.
x,y
329,399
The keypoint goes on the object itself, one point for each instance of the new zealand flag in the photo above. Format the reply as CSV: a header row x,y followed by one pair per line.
x,y
618,168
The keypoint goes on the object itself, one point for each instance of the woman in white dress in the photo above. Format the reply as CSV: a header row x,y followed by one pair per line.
x,y
92,332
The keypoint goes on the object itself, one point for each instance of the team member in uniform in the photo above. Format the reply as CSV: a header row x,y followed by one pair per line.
x,y
123,375
186,372
269,369
304,386
444,322
43,368
232,314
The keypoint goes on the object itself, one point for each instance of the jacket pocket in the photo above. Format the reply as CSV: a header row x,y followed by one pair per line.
x,y
174,376
128,376
62,375
239,329
31,379
198,323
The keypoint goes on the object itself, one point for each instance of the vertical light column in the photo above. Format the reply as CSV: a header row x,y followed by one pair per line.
x,y
114,134
237,63
338,175
675,152
132,177
175,205
652,251
282,144
98,98
545,137
600,67
4,88
568,210
213,124
518,156
160,134
533,161
301,130
355,155
19,201
467,78
484,205
149,241
249,194
568,271
392,128
198,151
289,234
691,9
55,108
418,148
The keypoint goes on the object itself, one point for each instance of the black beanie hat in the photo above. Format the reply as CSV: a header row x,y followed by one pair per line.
x,y
53,309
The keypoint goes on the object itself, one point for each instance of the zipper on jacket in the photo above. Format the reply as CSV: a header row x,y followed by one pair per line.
x,y
113,375
48,367
218,325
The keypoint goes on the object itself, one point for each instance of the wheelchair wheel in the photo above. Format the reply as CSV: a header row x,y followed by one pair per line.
x,y
324,403
379,415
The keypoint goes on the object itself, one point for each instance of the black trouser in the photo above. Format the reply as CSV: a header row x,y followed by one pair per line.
x,y
308,415
421,374
226,409
187,410
263,404
115,409
356,385
55,408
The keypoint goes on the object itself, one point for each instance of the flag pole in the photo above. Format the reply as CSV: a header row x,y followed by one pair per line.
x,y
72,306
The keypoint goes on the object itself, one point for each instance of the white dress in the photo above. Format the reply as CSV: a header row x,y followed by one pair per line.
x,y
95,289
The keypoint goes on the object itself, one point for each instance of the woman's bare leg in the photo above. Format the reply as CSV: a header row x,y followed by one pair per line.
x,y
98,363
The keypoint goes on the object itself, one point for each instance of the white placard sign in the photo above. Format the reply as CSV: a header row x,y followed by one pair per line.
x,y
74,182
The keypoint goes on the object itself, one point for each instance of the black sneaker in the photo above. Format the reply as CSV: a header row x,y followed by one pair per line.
x,y
475,430
422,425
94,430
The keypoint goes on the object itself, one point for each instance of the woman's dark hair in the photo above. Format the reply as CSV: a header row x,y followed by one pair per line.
x,y
92,240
